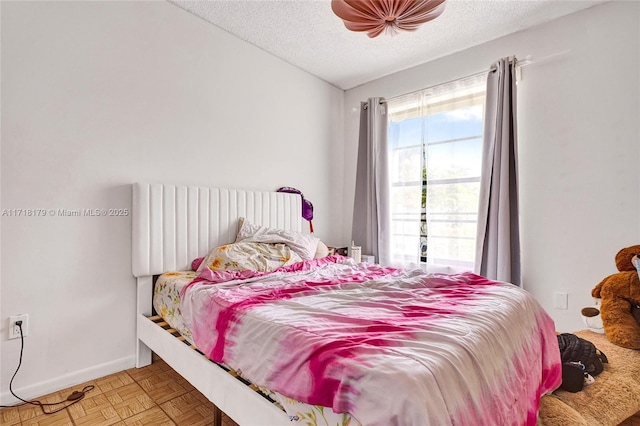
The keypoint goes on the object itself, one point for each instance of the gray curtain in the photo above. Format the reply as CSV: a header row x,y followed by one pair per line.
x,y
371,214
498,238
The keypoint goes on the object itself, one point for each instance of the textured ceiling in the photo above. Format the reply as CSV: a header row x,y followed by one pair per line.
x,y
307,34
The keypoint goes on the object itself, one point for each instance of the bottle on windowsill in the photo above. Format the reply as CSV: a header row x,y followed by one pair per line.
x,y
356,252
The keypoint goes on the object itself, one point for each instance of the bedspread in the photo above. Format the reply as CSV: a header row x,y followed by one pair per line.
x,y
388,346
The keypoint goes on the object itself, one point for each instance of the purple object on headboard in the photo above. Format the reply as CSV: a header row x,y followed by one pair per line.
x,y
307,207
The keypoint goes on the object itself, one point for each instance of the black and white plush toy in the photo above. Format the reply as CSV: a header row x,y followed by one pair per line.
x,y
581,360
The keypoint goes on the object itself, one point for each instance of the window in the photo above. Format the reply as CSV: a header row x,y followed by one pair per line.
x,y
435,142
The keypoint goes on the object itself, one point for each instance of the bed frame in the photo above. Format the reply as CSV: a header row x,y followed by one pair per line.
x,y
171,226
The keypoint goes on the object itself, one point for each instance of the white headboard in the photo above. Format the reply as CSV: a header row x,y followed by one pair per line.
x,y
174,224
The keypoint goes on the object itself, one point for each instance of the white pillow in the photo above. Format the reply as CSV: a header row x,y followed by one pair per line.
x,y
322,250
305,245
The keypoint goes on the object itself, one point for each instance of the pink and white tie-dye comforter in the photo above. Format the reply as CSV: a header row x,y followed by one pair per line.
x,y
388,346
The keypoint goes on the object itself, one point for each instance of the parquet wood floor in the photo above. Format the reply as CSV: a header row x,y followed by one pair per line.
x,y
151,396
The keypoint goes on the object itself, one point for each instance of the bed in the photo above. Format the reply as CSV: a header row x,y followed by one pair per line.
x,y
505,348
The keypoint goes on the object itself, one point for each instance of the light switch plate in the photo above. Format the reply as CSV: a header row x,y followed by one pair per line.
x,y
561,300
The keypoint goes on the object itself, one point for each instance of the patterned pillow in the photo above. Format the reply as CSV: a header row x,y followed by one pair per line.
x,y
252,256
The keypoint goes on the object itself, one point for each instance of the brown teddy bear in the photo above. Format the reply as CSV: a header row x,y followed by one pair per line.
x,y
620,298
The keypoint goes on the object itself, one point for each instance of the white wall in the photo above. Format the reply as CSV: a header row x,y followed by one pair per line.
x,y
579,144
97,95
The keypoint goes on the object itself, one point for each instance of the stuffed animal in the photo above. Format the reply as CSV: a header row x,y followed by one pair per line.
x,y
620,298
581,360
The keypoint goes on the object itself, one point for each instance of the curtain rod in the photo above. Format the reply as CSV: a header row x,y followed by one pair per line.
x,y
477,74
436,85
528,60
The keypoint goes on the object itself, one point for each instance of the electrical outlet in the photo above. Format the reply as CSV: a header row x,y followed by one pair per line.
x,y
14,329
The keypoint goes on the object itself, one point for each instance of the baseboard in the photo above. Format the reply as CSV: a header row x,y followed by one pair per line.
x,y
43,388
